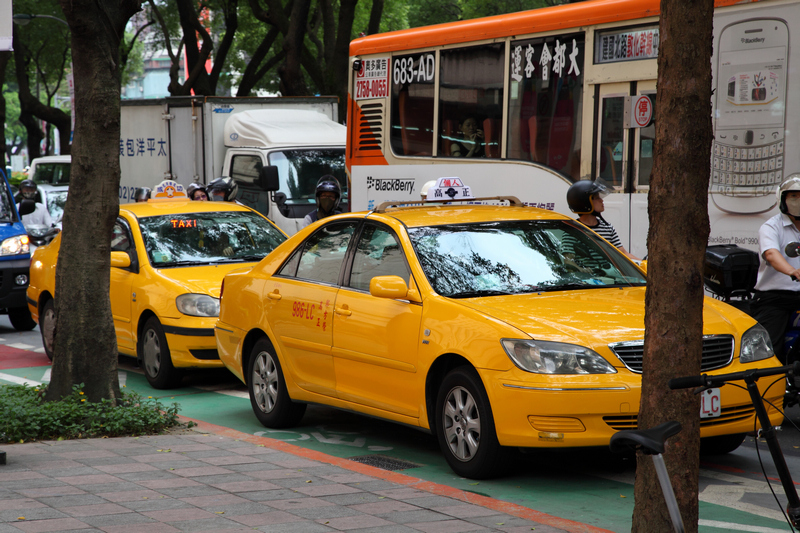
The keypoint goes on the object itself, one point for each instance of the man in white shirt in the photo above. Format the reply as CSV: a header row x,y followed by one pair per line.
x,y
40,215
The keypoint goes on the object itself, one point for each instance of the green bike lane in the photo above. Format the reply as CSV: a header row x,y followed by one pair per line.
x,y
591,486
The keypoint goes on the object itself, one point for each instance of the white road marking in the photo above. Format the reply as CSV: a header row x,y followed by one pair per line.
x,y
738,527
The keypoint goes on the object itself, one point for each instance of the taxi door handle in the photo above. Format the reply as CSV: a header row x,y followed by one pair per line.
x,y
343,310
274,295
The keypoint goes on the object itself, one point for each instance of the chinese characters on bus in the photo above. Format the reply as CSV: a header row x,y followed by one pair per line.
x,y
372,80
558,58
627,45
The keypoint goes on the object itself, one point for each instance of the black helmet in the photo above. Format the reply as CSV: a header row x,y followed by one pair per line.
x,y
579,195
28,184
225,189
328,183
193,188
141,194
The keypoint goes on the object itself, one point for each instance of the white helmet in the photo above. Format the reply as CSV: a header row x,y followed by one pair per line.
x,y
792,183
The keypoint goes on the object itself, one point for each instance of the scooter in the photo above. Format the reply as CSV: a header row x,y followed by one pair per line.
x,y
40,235
730,275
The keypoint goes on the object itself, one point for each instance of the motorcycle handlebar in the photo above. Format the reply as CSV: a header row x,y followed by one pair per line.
x,y
706,380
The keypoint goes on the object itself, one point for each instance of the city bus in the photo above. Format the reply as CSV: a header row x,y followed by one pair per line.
x,y
567,93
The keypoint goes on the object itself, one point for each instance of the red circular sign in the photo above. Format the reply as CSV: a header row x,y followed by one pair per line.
x,y
642,110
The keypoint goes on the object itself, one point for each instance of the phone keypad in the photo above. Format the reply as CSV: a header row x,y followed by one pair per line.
x,y
742,171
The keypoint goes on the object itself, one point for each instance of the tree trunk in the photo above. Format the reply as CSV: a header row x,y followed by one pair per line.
x,y
5,57
676,242
291,74
85,345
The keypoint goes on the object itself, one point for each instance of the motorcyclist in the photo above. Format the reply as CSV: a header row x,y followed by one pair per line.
x,y
328,195
196,191
222,189
40,216
141,194
776,294
585,198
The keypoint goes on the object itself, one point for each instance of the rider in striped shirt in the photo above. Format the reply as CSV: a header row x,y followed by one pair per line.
x,y
585,198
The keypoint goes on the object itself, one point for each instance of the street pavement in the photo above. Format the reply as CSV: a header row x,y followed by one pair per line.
x,y
589,489
212,478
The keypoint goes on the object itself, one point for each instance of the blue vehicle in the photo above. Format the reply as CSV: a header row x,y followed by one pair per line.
x,y
15,261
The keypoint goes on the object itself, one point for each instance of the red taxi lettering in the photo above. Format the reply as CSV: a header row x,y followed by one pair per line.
x,y
303,310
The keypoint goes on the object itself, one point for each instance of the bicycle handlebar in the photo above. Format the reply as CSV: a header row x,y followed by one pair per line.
x,y
706,380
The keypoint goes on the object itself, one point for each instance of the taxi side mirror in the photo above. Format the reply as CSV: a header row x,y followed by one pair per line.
x,y
390,287
643,265
120,259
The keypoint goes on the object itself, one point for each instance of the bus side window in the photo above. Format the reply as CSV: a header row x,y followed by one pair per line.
x,y
412,104
471,86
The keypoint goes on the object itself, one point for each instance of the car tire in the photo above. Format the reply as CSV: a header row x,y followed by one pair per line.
x,y
155,357
21,319
465,426
47,326
268,395
722,444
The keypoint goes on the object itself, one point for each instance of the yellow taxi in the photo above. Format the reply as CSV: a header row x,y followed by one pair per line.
x,y
168,258
490,326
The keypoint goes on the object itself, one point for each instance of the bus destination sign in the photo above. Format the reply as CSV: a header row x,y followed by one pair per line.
x,y
626,45
372,81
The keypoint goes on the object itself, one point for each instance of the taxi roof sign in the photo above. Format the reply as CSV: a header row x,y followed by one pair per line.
x,y
169,190
449,189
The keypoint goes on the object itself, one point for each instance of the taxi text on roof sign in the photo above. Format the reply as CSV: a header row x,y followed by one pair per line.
x,y
169,190
449,189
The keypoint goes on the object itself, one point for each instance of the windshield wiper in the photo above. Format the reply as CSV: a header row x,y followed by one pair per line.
x,y
183,263
249,257
474,294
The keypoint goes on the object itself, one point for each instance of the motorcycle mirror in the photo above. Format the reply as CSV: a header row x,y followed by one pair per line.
x,y
26,207
792,249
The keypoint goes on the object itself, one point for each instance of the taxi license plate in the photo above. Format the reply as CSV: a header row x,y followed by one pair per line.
x,y
710,404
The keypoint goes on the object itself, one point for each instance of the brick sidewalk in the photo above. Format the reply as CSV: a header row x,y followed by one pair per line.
x,y
217,479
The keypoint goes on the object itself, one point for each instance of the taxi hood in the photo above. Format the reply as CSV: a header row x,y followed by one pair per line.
x,y
590,317
205,279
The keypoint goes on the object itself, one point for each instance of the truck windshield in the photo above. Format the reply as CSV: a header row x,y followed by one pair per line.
x,y
299,171
52,173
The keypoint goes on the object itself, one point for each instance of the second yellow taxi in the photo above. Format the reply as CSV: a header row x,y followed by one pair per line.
x,y
168,258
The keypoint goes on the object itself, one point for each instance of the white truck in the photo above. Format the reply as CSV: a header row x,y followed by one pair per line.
x,y
283,144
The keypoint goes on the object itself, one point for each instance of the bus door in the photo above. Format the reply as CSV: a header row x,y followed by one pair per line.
x,y
624,160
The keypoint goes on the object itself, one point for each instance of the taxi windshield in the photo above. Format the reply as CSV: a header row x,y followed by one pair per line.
x,y
201,238
521,256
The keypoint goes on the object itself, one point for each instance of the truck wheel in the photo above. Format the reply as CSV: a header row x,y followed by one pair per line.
x,y
47,326
155,357
21,319
465,426
268,395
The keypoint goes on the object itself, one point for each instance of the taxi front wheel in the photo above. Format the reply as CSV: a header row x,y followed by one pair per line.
x,y
47,326
465,426
271,402
155,357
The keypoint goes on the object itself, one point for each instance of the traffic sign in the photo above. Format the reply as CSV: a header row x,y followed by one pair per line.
x,y
641,111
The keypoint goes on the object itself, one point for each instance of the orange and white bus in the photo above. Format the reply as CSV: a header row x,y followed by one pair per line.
x,y
566,93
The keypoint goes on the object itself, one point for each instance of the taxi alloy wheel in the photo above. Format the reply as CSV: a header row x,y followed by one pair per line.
x,y
47,326
271,402
465,426
155,357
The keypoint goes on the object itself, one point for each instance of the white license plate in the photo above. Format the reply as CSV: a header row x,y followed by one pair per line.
x,y
710,403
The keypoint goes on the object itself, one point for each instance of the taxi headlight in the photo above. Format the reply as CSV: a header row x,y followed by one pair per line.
x,y
197,305
755,345
544,357
15,245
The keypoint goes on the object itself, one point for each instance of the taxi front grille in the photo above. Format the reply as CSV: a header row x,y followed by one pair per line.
x,y
729,415
717,353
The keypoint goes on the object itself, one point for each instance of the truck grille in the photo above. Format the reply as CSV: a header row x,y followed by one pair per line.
x,y
717,353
